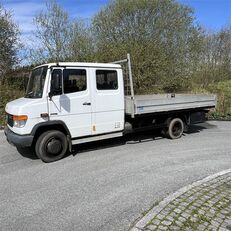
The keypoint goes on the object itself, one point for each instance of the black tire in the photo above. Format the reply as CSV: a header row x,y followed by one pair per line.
x,y
175,128
51,146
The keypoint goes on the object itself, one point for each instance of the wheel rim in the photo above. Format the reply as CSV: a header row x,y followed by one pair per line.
x,y
54,146
177,129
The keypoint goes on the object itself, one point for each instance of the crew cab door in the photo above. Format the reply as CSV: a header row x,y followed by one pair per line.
x,y
108,101
71,100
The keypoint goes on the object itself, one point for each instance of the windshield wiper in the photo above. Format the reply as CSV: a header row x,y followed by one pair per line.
x,y
29,95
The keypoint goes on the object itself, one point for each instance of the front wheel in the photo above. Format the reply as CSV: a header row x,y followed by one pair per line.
x,y
51,146
175,128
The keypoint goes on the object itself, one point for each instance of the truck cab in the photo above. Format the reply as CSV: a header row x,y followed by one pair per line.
x,y
67,103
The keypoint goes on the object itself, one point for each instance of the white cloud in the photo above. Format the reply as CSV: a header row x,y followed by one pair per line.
x,y
23,14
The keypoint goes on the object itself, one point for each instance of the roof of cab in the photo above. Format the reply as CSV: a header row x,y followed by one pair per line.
x,y
78,64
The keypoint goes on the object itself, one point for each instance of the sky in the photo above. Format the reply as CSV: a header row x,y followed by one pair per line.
x,y
211,14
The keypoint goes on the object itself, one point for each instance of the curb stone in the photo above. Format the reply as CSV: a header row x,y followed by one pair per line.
x,y
156,209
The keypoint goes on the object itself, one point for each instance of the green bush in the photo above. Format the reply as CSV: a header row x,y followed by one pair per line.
x,y
223,92
7,93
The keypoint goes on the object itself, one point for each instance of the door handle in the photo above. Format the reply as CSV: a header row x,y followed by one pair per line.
x,y
87,103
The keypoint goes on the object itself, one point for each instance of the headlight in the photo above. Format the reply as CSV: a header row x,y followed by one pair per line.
x,y
20,121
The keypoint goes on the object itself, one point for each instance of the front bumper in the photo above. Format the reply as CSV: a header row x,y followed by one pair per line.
x,y
18,140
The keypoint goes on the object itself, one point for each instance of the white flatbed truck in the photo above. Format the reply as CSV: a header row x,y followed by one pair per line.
x,y
72,103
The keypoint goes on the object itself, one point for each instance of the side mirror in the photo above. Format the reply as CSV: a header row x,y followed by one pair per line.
x,y
50,94
56,83
25,82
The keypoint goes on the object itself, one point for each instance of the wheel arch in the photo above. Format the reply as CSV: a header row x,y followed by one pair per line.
x,y
49,125
183,116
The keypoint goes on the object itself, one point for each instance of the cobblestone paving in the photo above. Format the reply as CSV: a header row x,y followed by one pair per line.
x,y
204,207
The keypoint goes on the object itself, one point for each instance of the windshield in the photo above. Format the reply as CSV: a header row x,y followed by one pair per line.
x,y
36,83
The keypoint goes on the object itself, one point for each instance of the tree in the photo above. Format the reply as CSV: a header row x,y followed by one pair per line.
x,y
159,34
9,42
58,37
215,61
53,29
81,42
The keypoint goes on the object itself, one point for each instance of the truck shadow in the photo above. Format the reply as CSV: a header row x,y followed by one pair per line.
x,y
135,138
195,128
109,143
28,153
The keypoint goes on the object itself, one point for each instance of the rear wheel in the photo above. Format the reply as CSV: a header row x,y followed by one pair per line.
x,y
51,146
175,128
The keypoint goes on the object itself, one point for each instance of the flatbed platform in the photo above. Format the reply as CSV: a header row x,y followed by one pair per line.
x,y
144,104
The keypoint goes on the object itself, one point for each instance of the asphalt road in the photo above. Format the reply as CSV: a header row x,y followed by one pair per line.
x,y
106,185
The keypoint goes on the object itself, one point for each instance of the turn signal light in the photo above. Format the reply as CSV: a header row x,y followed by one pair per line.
x,y
22,117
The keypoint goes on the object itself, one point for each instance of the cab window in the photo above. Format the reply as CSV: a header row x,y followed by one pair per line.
x,y
106,80
74,80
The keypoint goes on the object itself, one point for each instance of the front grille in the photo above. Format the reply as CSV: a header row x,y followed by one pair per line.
x,y
10,121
